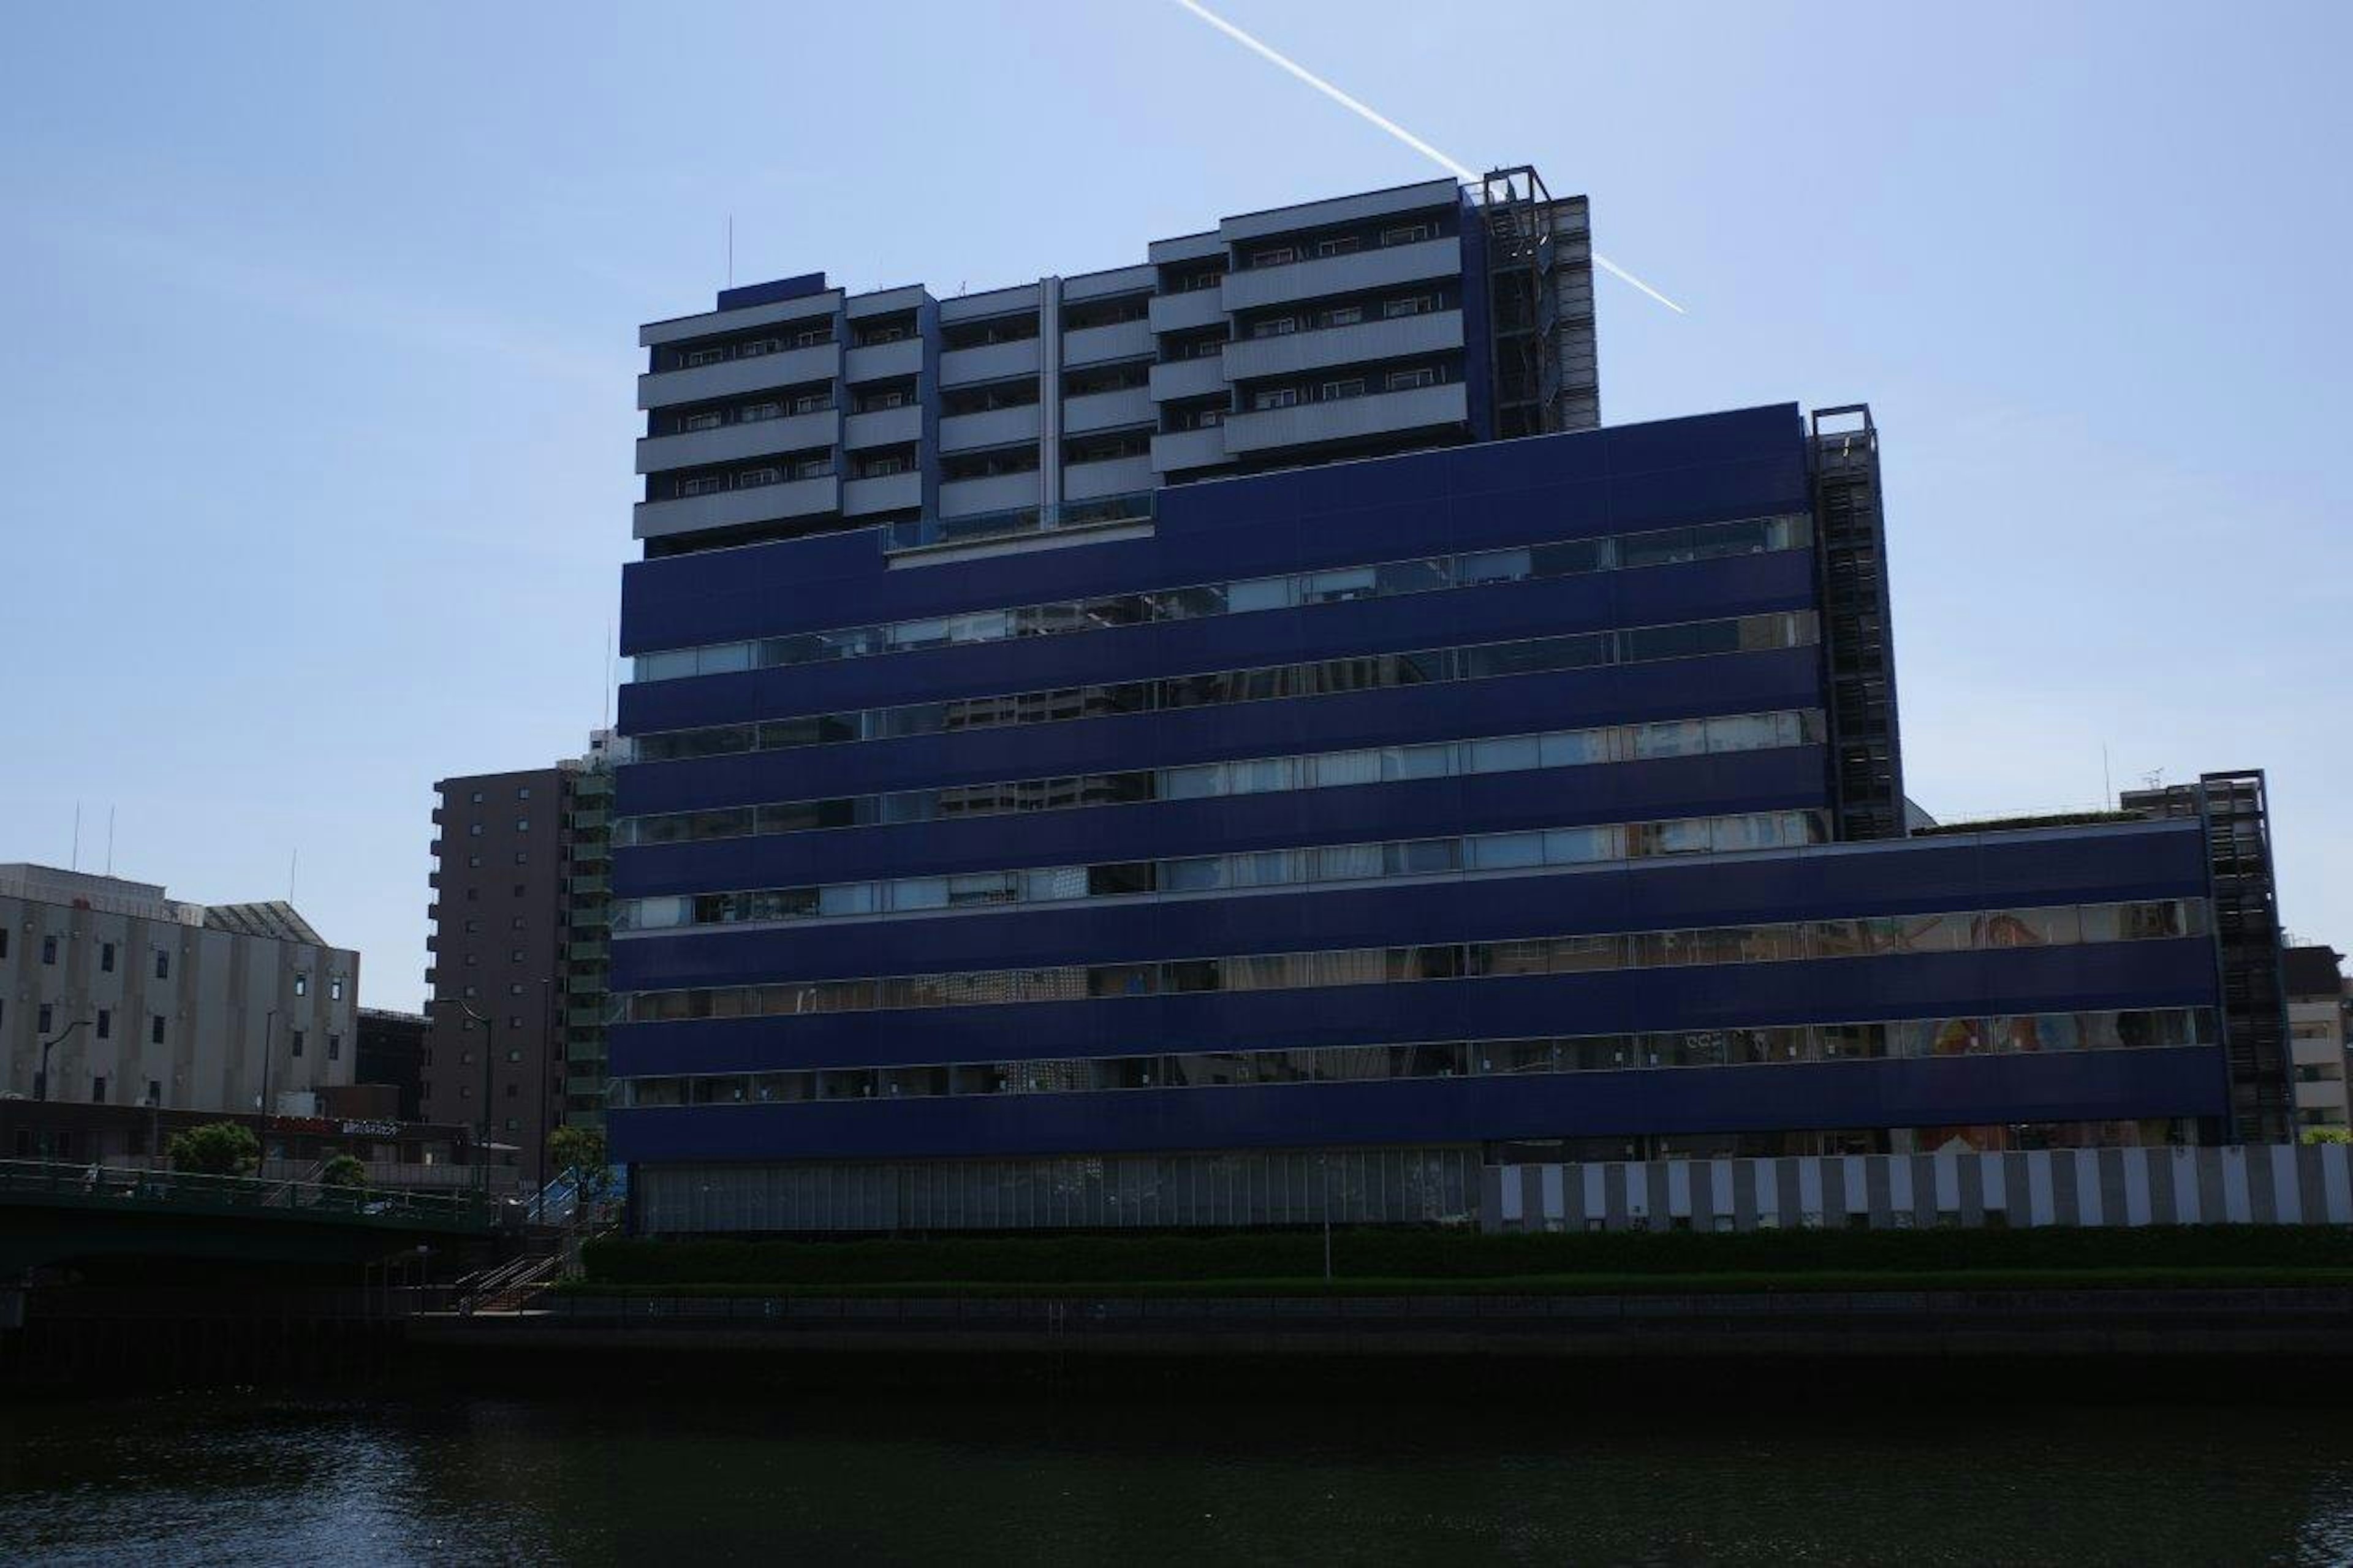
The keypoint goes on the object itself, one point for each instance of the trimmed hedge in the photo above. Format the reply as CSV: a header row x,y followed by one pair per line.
x,y
1455,1255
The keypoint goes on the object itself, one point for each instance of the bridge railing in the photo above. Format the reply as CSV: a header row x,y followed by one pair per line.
x,y
64,1181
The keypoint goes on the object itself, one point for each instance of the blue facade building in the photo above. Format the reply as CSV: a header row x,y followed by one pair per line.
x,y
1421,783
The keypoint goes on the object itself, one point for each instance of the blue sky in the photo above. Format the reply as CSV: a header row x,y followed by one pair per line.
x,y
320,323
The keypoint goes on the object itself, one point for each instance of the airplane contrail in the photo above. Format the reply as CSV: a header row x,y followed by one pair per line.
x,y
1357,106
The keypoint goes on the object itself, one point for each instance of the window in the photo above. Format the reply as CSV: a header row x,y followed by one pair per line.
x,y
810,337
473,895
105,1023
335,988
753,479
105,956
1275,327
523,825
518,890
1209,348
1274,255
472,959
50,951
514,1022
522,857
1338,245
163,965
701,485
3,942
476,797
758,347
1409,233
294,1044
514,956
472,862
155,1030
697,357
1352,388
45,1018
518,922
706,420
154,1092
98,1089
302,985
514,990
1404,380
514,1091
334,1047
1275,397
1344,315
515,1056
522,791
811,402
474,830
1412,305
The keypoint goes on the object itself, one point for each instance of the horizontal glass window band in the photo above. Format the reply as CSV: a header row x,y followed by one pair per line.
x,y
2024,1034
1318,678
1320,865
1655,547
1964,931
1256,775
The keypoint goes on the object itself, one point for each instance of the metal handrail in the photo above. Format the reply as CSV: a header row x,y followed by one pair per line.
x,y
1066,517
188,1190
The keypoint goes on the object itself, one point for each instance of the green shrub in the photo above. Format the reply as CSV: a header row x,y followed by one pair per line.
x,y
215,1149
1453,1255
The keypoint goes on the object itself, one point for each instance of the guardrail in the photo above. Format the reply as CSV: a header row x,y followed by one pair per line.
x,y
1066,517
119,1188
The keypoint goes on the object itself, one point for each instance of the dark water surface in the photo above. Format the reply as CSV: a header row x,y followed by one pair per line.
x,y
720,1476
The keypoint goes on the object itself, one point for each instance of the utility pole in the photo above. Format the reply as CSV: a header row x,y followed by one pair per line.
x,y
483,1138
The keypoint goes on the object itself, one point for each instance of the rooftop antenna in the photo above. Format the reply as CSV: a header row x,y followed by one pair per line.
x,y
291,861
1366,111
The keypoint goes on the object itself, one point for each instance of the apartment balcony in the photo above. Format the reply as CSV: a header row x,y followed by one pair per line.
x,y
736,508
1121,339
1186,312
1114,476
1177,450
433,848
884,361
1323,276
886,493
736,378
586,952
1346,419
1005,492
1401,337
585,985
436,817
735,443
990,361
590,884
1188,378
433,879
884,427
997,427
1107,410
584,1017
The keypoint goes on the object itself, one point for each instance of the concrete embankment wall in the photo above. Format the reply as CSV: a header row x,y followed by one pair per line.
x,y
2257,1184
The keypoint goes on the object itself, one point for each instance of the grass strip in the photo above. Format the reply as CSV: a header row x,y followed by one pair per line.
x,y
1576,1284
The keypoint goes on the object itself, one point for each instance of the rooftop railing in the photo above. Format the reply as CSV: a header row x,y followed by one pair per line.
x,y
1020,522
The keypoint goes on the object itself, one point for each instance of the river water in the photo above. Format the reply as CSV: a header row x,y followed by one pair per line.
x,y
714,1477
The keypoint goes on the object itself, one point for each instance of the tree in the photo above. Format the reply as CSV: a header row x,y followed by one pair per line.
x,y
582,1149
216,1149
343,1171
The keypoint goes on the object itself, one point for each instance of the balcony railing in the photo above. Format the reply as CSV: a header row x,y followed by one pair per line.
x,y
1021,523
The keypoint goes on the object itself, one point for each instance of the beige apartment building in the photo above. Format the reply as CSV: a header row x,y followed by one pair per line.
x,y
146,1000
2318,1017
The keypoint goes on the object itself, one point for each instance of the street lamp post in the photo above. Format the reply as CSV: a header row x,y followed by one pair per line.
x,y
41,1079
546,1063
483,1138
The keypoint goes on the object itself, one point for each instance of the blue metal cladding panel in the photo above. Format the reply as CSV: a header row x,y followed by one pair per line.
x,y
1958,1091
1516,705
1483,803
1708,590
1922,876
2156,974
1746,463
